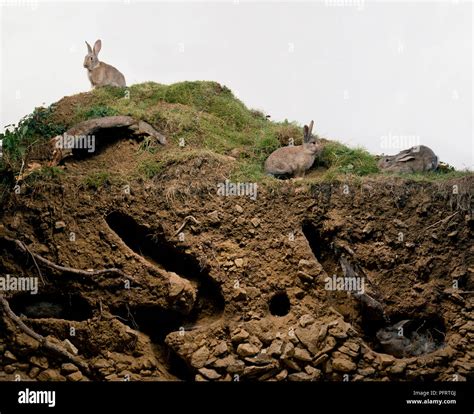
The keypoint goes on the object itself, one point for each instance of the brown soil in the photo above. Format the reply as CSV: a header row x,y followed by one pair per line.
x,y
242,296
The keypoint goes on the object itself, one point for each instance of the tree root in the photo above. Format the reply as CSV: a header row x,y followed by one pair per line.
x,y
41,339
65,269
91,126
186,220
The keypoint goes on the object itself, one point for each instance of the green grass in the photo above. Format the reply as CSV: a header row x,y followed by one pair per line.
x,y
96,180
340,159
99,111
206,116
47,172
150,168
431,176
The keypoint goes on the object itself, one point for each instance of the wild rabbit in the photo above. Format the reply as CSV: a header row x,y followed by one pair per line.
x,y
415,159
294,161
404,339
100,73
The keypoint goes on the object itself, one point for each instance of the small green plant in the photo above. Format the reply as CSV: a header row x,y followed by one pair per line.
x,y
150,168
47,172
100,111
149,144
97,180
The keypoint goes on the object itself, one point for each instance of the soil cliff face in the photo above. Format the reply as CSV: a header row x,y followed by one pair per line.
x,y
357,279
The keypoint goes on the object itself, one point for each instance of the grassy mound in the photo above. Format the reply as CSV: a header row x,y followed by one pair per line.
x,y
193,115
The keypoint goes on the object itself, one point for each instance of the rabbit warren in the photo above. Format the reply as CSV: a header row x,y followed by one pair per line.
x,y
100,73
294,160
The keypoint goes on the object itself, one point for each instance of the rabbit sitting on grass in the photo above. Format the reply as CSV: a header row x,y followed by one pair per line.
x,y
415,159
294,160
100,73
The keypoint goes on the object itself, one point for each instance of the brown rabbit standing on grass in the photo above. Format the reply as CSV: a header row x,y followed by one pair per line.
x,y
294,161
100,73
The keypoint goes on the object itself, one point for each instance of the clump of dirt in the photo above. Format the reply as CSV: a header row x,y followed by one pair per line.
x,y
363,279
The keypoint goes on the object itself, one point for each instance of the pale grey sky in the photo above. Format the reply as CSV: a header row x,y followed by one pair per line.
x,y
367,72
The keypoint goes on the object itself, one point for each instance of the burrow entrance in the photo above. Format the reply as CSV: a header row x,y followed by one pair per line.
x,y
279,304
405,336
157,322
160,252
103,139
398,335
71,307
322,248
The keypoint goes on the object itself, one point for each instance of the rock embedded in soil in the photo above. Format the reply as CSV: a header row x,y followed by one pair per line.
x,y
70,347
75,376
384,360
34,371
255,221
343,365
9,357
247,349
50,375
257,370
68,368
306,320
41,362
209,373
288,351
366,372
200,357
281,375
309,337
302,355
321,359
239,335
236,367
299,376
224,362
398,367
260,359
101,363
276,348
221,348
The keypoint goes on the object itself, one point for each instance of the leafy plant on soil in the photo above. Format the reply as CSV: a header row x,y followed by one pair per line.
x,y
17,140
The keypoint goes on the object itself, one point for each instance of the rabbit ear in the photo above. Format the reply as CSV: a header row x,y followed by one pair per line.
x,y
306,133
310,129
97,46
406,158
89,49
